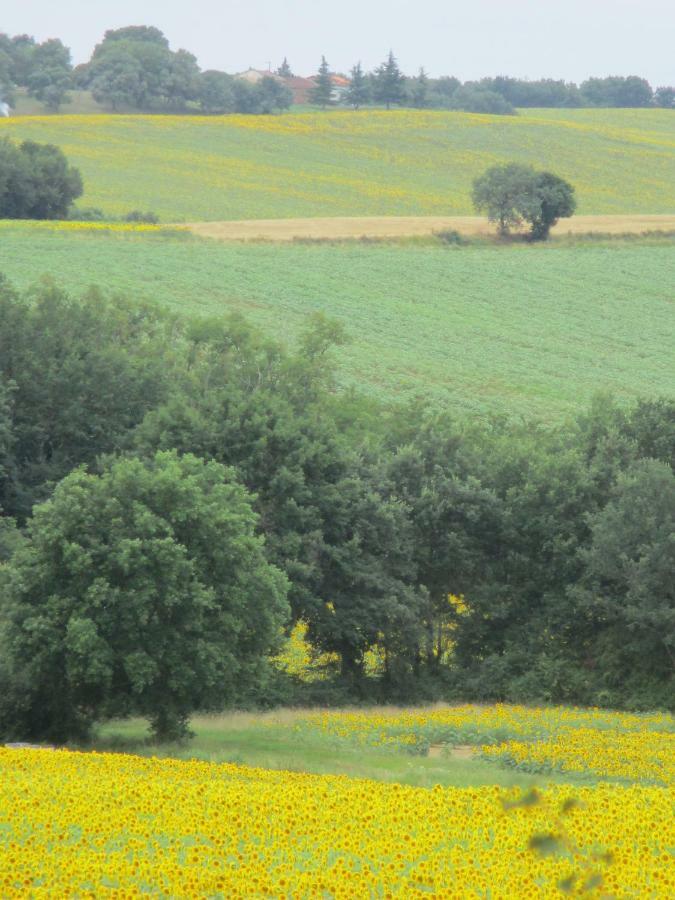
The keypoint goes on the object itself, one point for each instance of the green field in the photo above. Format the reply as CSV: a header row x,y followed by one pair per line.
x,y
340,163
533,330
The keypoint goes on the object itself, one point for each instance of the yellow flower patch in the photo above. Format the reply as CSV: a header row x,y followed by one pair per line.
x,y
77,825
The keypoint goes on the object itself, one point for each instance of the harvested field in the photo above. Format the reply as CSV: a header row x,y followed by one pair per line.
x,y
343,228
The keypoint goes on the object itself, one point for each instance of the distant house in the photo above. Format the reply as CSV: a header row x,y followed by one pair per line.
x,y
4,109
300,88
253,76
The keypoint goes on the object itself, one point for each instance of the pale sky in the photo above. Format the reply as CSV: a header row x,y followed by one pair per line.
x,y
570,39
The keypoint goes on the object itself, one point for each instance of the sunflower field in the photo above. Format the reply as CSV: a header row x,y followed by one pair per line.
x,y
342,163
77,824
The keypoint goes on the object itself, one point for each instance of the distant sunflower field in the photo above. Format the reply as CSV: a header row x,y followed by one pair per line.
x,y
342,163
91,824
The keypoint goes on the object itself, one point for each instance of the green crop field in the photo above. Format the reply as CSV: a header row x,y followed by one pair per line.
x,y
524,329
340,163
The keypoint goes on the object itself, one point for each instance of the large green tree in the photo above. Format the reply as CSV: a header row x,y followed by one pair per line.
x,y
135,67
512,194
36,181
50,76
141,589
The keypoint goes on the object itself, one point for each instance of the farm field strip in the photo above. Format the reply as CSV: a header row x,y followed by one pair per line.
x,y
369,163
346,227
521,329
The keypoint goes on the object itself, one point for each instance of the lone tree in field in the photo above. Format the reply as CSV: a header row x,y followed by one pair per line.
x,y
144,589
513,194
358,92
322,92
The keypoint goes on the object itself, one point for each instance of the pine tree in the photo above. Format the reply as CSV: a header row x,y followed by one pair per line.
x,y
420,91
358,93
389,82
284,70
322,92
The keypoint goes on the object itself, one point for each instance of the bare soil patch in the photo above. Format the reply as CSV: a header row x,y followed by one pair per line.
x,y
411,226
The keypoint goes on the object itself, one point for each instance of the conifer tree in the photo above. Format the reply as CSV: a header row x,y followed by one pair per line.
x,y
322,92
420,90
389,82
284,70
358,92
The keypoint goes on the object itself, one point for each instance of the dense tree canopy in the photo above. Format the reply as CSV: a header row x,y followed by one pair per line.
x,y
477,559
142,589
36,181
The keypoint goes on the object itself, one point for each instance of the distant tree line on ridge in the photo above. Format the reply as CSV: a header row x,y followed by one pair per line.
x,y
133,68
175,492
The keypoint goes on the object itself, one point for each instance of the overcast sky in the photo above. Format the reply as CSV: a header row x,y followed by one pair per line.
x,y
570,39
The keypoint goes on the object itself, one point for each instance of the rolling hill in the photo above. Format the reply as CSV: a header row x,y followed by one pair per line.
x,y
369,163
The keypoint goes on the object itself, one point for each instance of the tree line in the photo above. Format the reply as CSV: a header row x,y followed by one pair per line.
x,y
177,492
133,68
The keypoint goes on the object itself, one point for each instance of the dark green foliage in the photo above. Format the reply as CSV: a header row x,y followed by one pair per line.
x,y
134,67
36,181
50,73
137,215
143,589
559,540
477,99
81,374
419,93
322,92
665,97
628,586
389,83
514,193
555,200
617,91
505,193
358,92
273,95
216,93
545,92
284,70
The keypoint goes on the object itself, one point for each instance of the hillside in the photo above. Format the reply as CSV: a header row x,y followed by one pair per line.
x,y
519,329
370,163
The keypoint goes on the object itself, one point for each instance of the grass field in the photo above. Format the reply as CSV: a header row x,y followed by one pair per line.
x,y
520,329
80,824
371,163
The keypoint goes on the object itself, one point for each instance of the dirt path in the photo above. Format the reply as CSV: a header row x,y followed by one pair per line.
x,y
410,226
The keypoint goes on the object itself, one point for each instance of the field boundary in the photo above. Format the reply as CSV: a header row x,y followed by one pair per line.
x,y
355,227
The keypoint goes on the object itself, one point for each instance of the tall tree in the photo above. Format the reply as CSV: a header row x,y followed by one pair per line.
x,y
358,92
389,85
322,92
420,90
